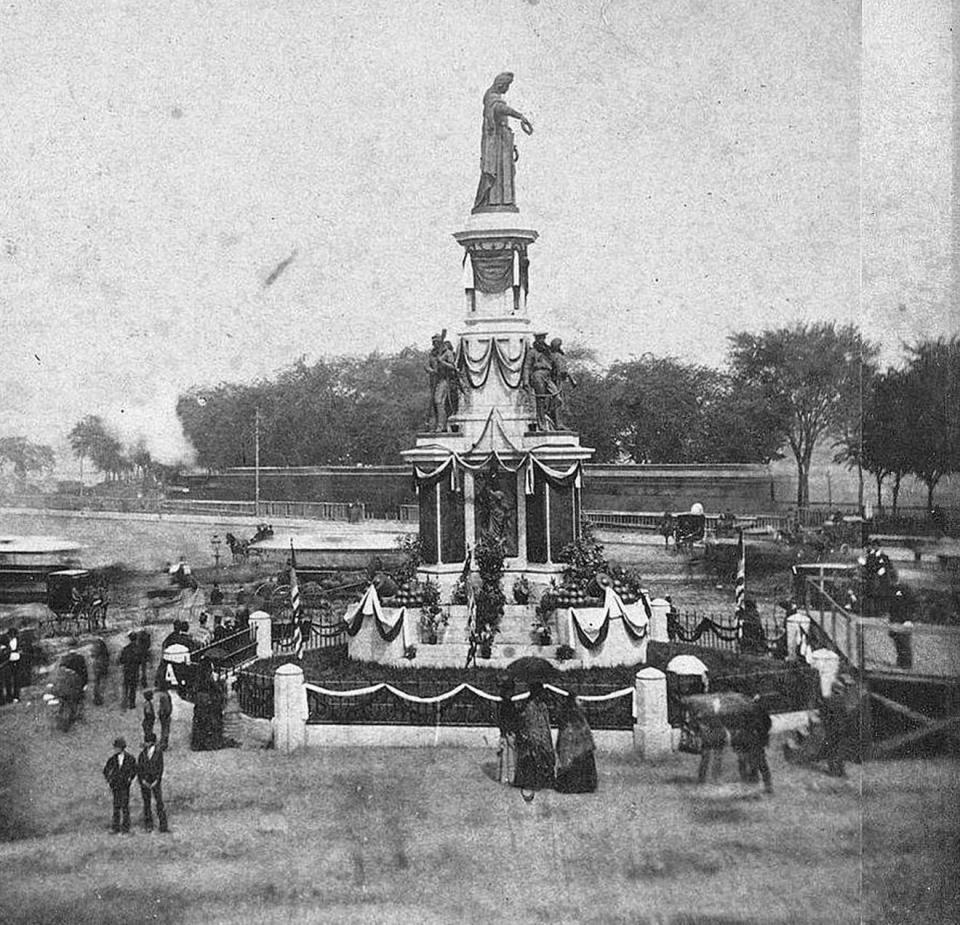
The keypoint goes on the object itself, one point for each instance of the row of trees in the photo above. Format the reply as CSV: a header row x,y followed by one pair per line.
x,y
781,391
93,439
910,422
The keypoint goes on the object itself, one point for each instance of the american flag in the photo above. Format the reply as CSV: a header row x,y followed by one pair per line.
x,y
295,604
741,582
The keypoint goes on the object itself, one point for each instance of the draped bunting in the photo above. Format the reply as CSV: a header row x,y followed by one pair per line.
x,y
556,477
722,632
493,271
593,624
587,639
389,623
493,698
476,369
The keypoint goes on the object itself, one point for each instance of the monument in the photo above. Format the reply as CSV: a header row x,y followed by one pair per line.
x,y
498,458
498,476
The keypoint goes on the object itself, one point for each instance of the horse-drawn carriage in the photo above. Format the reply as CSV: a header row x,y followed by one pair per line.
x,y
78,600
688,529
240,548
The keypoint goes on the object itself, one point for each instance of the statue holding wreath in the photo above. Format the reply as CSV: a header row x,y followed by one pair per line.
x,y
498,154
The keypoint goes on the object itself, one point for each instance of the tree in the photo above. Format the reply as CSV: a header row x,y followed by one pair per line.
x,y
24,457
589,406
931,393
665,411
883,448
340,411
85,437
809,378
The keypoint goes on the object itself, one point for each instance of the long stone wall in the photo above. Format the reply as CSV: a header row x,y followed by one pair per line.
x,y
739,488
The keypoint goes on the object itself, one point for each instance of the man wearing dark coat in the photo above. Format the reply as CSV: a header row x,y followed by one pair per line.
x,y
143,649
751,746
164,712
150,773
130,660
101,667
119,771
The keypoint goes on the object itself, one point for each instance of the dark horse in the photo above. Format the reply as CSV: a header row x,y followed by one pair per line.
x,y
239,549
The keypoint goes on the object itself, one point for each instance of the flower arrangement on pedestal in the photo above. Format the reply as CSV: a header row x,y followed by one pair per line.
x,y
521,590
433,618
490,553
542,630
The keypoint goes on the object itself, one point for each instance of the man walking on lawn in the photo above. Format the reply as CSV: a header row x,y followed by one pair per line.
x,y
120,770
150,772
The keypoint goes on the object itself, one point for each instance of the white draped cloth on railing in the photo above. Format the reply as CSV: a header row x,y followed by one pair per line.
x,y
439,698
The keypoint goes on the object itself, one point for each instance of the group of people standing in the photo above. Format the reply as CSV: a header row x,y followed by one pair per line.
x,y
527,756
122,769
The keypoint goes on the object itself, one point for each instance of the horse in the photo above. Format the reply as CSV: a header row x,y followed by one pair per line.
x,y
239,549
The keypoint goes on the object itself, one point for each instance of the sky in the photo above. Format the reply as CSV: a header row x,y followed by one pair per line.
x,y
196,192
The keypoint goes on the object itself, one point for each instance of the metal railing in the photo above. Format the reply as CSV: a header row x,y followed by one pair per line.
x,y
717,631
384,708
255,694
871,643
315,635
233,651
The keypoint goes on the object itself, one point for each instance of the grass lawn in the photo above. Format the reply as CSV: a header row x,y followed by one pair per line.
x,y
426,836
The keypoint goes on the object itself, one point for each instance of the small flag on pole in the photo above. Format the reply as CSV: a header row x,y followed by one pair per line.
x,y
295,604
740,586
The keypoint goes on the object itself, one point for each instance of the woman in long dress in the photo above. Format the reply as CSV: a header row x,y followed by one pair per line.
x,y
206,733
576,766
536,758
508,721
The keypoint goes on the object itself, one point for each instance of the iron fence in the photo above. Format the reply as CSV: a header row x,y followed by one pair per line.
x,y
229,652
255,694
717,631
315,635
379,705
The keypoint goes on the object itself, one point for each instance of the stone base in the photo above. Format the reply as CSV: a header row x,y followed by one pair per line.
x,y
538,574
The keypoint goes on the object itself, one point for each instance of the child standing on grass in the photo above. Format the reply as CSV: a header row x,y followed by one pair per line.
x,y
149,714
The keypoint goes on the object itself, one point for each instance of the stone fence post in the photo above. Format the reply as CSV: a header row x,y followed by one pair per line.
x,y
289,708
659,609
263,632
651,731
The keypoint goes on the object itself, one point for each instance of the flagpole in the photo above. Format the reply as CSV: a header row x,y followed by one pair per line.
x,y
256,463
740,587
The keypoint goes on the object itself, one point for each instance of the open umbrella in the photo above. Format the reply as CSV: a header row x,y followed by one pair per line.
x,y
531,669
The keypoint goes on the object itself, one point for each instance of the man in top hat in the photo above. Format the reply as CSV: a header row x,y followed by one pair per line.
x,y
119,771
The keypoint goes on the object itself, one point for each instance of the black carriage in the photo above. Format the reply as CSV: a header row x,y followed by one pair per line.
x,y
78,600
689,529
